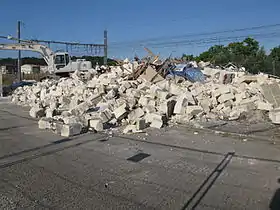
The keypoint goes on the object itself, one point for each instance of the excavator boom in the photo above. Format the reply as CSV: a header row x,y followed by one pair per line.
x,y
59,63
46,52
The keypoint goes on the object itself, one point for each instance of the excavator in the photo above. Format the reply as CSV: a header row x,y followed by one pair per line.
x,y
59,63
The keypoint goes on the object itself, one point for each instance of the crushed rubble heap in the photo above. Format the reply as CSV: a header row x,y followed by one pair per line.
x,y
70,106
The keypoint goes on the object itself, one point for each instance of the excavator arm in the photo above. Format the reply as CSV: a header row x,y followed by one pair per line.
x,y
46,52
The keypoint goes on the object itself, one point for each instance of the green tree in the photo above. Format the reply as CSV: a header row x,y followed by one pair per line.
x,y
246,53
187,57
274,59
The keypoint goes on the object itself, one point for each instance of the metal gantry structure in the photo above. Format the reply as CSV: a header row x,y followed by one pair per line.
x,y
84,48
74,48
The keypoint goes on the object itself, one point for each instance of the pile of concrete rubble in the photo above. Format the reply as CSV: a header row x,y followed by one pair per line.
x,y
70,106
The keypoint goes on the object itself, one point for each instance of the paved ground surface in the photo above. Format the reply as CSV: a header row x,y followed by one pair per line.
x,y
185,169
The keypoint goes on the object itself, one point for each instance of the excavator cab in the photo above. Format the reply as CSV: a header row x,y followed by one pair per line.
x,y
61,59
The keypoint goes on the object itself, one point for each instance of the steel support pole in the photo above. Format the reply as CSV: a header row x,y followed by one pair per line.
x,y
105,47
19,52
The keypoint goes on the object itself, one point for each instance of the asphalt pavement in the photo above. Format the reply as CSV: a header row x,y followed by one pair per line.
x,y
174,168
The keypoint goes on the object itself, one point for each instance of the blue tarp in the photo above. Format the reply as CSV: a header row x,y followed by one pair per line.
x,y
191,74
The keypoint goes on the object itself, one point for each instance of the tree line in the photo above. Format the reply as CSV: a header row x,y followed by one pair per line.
x,y
247,53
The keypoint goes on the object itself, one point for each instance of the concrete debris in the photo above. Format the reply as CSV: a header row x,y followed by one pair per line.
x,y
130,129
96,124
36,112
114,98
45,123
71,129
274,116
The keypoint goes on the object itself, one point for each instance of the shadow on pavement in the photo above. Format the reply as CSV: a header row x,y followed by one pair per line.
x,y
275,201
203,189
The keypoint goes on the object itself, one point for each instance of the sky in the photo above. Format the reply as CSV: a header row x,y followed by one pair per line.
x,y
129,21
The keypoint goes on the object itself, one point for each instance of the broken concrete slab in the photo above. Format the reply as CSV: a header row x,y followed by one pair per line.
x,y
45,123
271,93
36,112
167,107
264,106
151,75
222,90
193,110
158,121
96,124
70,119
205,104
225,97
105,115
71,130
274,116
180,105
121,111
135,114
130,129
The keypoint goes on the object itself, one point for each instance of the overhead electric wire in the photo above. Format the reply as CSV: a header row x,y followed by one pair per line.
x,y
207,42
200,41
216,39
197,34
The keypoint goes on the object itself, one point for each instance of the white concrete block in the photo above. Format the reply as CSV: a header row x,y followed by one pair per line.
x,y
45,123
205,104
225,97
156,123
226,111
70,120
167,107
152,102
80,109
135,114
180,105
144,86
121,111
131,102
50,112
175,89
264,106
153,89
149,109
105,115
96,124
111,94
143,101
71,129
222,90
163,95
182,118
193,110
274,116
234,114
129,129
36,112
228,103
157,120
